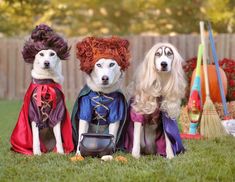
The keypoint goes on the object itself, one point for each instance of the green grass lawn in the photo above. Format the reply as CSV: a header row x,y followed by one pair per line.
x,y
205,160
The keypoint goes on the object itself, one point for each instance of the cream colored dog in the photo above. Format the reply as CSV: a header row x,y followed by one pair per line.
x,y
47,65
159,75
105,77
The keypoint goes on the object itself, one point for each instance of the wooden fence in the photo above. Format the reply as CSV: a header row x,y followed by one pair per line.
x,y
15,73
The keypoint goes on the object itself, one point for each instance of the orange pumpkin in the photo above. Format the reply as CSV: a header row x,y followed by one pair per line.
x,y
213,83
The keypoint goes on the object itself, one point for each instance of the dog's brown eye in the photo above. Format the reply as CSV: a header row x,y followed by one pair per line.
x,y
41,54
98,65
111,64
52,54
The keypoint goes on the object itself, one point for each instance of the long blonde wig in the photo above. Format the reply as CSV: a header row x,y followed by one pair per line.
x,y
149,84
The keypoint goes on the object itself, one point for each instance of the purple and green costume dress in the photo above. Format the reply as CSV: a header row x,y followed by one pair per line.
x,y
99,110
165,124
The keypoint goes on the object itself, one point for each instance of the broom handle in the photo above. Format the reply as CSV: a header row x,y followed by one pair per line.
x,y
197,80
202,32
212,43
199,60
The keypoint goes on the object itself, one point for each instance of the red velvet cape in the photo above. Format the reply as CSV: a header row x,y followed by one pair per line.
x,y
22,139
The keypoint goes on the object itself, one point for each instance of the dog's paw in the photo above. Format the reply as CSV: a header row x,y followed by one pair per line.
x,y
170,156
37,151
60,149
136,153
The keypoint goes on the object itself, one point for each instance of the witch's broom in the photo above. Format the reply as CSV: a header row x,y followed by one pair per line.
x,y
210,126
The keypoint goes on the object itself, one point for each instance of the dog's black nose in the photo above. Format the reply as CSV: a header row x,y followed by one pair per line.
x,y
47,64
163,64
105,78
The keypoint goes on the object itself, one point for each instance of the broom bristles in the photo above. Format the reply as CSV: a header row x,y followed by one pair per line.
x,y
211,126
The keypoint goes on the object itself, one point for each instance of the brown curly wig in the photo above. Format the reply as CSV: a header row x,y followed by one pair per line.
x,y
42,38
91,49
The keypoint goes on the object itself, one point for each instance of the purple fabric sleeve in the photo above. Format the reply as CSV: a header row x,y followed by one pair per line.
x,y
170,126
136,117
34,112
58,114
